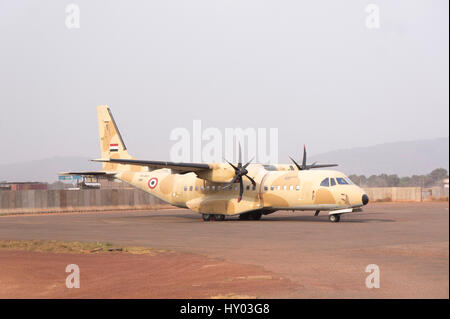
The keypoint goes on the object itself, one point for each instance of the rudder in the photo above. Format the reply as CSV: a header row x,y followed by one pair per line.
x,y
111,142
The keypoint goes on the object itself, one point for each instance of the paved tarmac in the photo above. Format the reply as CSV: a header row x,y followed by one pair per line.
x,y
409,242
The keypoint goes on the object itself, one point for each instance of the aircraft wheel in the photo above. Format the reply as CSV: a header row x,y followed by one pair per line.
x,y
244,216
206,217
334,218
255,215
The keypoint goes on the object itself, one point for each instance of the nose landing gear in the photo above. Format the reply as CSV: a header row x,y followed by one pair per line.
x,y
334,218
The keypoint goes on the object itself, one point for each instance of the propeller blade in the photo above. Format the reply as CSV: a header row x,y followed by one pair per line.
x,y
235,178
304,156
240,156
305,166
241,190
251,179
296,164
248,163
311,165
235,168
239,172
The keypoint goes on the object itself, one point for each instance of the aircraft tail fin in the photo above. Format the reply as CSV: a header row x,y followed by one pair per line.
x,y
111,141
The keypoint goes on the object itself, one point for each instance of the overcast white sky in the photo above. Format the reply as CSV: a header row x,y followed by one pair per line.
x,y
310,68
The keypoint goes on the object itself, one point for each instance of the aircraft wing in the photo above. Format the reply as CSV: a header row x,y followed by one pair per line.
x,y
179,167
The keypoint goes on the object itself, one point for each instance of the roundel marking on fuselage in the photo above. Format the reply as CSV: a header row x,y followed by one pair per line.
x,y
152,182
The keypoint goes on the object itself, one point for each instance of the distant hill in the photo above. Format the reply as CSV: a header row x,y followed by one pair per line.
x,y
401,158
45,170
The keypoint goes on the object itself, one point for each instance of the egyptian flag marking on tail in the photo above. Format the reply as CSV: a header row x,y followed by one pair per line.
x,y
113,147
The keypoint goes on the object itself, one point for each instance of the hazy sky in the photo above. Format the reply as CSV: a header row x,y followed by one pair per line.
x,y
312,69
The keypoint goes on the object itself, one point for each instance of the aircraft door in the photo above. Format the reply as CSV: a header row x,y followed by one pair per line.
x,y
261,190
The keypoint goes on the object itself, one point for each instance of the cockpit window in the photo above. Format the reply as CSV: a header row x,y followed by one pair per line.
x,y
348,180
325,182
341,181
333,182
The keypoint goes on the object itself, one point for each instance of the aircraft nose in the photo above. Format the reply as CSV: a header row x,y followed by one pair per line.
x,y
365,199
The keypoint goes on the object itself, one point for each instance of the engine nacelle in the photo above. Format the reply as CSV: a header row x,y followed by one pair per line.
x,y
219,173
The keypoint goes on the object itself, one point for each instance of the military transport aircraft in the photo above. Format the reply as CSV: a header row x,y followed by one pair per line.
x,y
217,190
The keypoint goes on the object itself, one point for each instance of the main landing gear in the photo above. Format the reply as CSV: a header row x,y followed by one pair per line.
x,y
213,217
250,216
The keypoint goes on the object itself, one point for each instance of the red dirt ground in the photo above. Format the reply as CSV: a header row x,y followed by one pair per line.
x,y
121,275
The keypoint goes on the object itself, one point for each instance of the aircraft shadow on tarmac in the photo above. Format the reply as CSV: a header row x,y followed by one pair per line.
x,y
192,217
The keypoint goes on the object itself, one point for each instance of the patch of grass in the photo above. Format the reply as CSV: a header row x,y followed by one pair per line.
x,y
76,247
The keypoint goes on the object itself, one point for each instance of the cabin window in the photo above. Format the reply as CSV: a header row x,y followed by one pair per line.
x,y
332,181
248,187
207,188
284,187
202,188
325,182
278,187
271,188
291,167
235,188
253,187
341,181
291,187
213,188
297,188
266,188
196,188
185,188
190,188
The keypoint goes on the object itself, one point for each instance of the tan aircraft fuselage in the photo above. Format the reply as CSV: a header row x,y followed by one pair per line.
x,y
274,190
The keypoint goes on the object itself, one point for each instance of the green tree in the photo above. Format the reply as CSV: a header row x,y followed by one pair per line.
x,y
438,174
405,181
393,180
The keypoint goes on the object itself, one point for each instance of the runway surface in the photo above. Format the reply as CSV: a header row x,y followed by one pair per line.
x,y
408,241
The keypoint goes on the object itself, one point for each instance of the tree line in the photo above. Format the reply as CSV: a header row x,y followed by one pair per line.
x,y
384,180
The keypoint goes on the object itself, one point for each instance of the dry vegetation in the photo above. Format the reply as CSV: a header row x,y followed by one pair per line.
x,y
76,247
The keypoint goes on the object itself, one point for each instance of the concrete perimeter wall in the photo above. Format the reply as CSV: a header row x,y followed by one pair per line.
x,y
41,201
395,194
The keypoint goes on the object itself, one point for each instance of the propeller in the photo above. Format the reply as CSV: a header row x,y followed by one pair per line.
x,y
305,166
240,171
